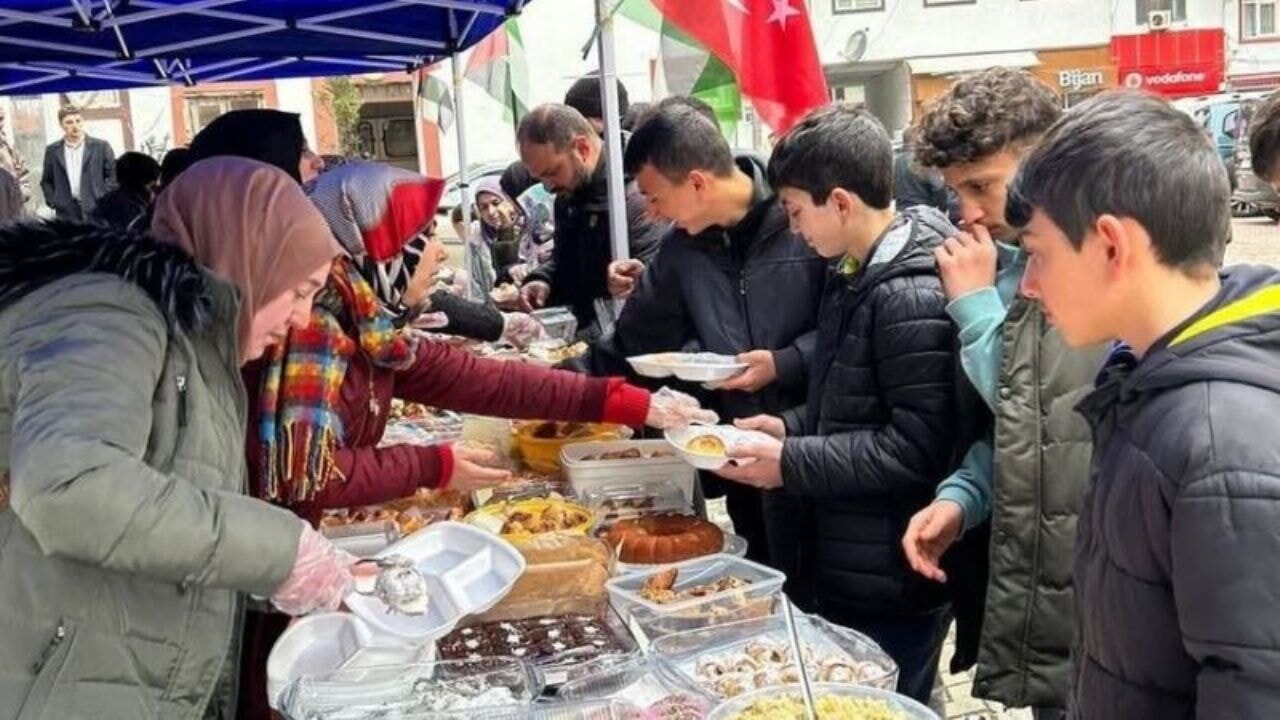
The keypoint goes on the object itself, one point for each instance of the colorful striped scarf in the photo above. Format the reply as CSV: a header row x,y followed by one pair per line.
x,y
300,427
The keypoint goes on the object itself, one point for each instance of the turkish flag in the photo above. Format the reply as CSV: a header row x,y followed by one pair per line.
x,y
767,43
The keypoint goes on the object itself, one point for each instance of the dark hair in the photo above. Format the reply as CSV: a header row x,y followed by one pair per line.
x,y
552,124
1264,137
584,96
677,140
66,111
516,179
842,146
697,105
983,114
270,136
135,171
173,163
1129,154
635,114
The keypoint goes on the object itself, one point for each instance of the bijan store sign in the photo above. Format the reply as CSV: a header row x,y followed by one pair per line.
x,y
1075,80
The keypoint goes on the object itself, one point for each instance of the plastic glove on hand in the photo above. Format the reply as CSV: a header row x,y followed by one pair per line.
x,y
671,409
320,579
520,329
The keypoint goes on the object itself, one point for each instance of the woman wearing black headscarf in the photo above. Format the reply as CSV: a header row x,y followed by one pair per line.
x,y
270,136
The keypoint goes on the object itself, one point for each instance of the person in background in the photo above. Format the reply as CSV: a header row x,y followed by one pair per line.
x,y
271,136
913,185
1124,209
11,202
1264,140
584,96
516,179
137,182
634,115
173,163
128,547
731,278
312,447
78,169
503,249
1029,474
12,162
882,422
559,147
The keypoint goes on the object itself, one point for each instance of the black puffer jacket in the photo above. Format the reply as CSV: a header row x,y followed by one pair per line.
x,y
755,286
579,265
881,427
1176,573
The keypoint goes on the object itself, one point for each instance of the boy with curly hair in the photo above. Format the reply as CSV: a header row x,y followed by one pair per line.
x,y
1029,475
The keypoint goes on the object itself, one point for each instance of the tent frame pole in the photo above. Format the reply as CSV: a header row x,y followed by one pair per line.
x,y
612,131
464,188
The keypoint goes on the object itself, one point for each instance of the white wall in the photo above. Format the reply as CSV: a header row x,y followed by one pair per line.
x,y
152,119
1247,58
907,29
295,95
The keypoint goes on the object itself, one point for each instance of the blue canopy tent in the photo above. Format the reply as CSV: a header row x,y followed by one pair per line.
x,y
76,45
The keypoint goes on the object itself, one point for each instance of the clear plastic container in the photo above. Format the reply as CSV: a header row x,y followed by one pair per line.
x,y
559,323
643,682
582,710
737,658
627,500
905,707
587,469
441,689
757,598
556,667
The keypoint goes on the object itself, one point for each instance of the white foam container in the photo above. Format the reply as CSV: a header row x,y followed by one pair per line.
x,y
584,475
323,643
690,367
730,435
467,571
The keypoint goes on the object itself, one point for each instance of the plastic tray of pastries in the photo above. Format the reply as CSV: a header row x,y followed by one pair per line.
x,y
737,658
833,700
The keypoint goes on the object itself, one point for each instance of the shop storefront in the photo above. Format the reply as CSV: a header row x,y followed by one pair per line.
x,y
1173,63
1075,73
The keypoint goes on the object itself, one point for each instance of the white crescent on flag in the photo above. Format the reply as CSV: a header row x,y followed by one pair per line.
x,y
738,5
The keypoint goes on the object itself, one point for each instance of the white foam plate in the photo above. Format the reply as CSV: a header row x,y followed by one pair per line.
x,y
467,571
691,367
331,641
732,436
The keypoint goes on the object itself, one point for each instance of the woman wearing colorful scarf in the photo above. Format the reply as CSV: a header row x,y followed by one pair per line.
x,y
321,399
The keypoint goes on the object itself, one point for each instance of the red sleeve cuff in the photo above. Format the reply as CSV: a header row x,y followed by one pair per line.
x,y
625,404
445,453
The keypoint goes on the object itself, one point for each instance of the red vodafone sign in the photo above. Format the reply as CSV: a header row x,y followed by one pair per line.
x,y
1173,63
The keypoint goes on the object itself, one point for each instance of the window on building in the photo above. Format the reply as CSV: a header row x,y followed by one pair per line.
x,y
941,3
1177,9
1259,19
841,7
96,100
202,109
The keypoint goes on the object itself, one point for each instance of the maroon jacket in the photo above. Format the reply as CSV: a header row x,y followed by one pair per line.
x,y
443,377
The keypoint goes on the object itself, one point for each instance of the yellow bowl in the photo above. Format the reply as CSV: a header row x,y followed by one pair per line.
x,y
493,517
543,454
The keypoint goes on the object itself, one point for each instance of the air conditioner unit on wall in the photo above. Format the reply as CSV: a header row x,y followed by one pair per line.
x,y
1159,19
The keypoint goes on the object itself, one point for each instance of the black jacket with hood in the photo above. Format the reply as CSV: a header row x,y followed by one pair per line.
x,y
579,265
754,286
883,424
1176,575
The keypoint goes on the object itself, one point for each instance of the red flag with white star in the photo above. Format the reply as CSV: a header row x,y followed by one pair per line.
x,y
767,43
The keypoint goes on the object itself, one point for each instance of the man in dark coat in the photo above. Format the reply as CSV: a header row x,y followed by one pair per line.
x,y
1124,205
78,169
881,427
138,177
566,155
730,278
